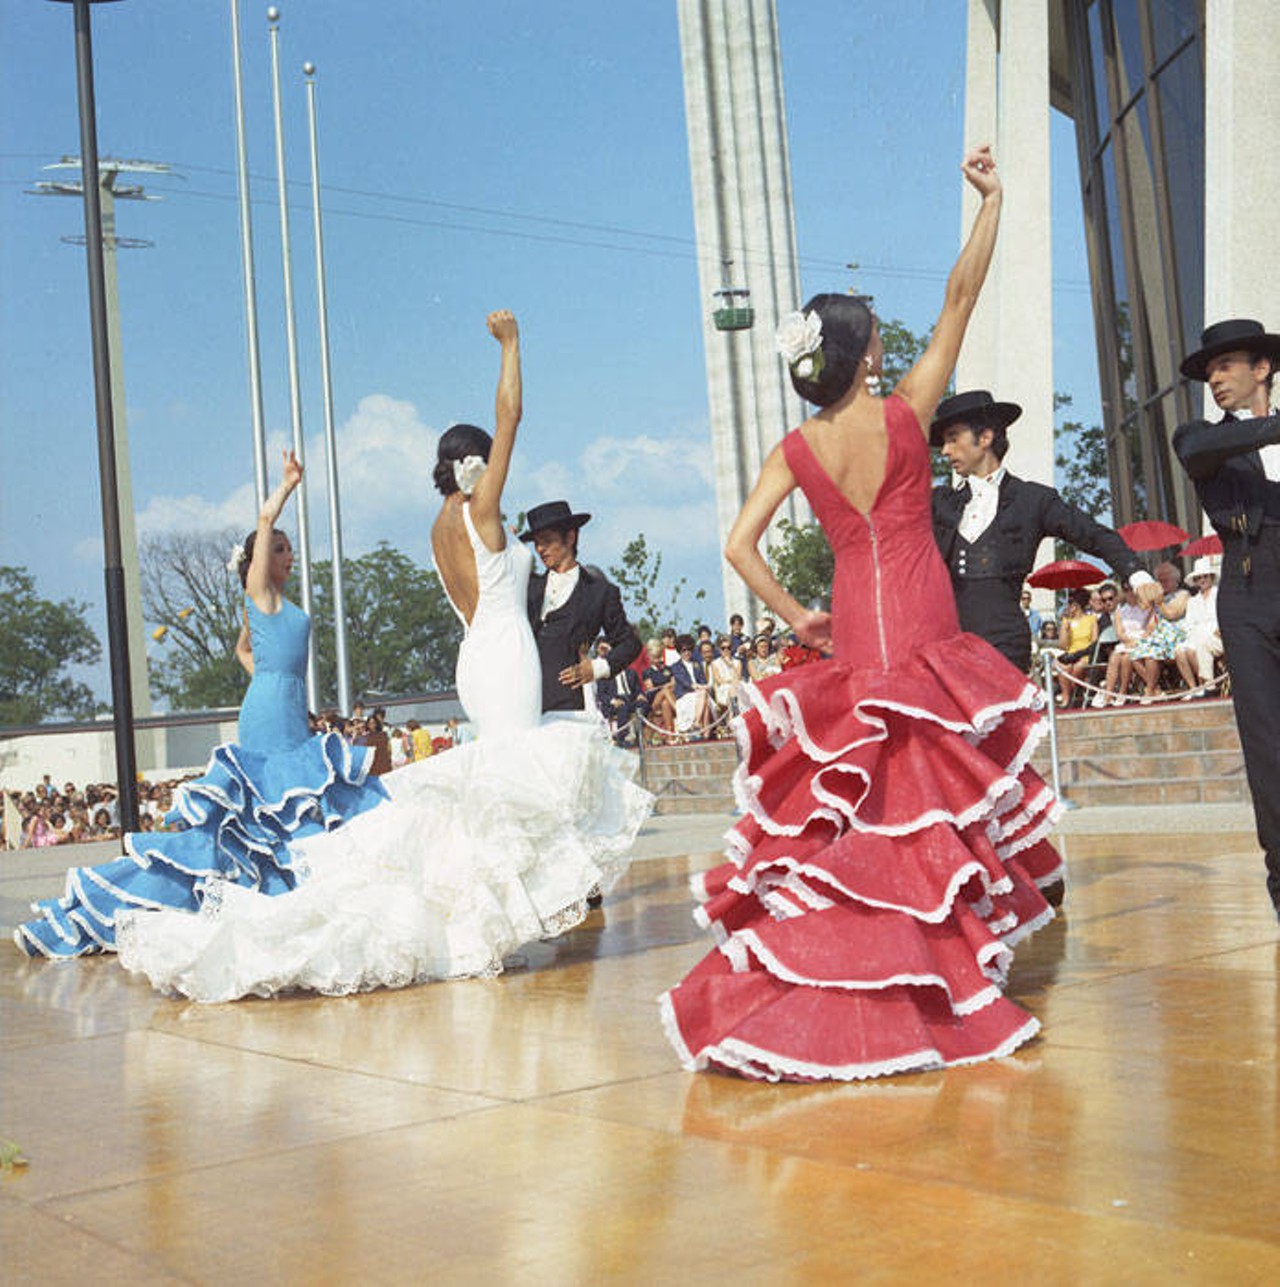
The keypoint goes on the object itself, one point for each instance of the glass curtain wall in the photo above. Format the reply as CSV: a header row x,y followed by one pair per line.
x,y
1138,95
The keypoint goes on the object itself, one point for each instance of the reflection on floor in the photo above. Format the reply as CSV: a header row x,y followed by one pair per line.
x,y
535,1128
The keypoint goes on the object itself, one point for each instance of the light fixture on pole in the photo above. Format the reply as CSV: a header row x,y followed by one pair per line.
x,y
149,747
291,335
117,616
330,438
247,274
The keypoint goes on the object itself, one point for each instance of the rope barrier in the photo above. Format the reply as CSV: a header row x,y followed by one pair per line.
x,y
1147,699
674,737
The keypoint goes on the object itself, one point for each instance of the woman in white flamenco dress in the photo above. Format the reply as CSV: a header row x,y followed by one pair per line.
x,y
490,846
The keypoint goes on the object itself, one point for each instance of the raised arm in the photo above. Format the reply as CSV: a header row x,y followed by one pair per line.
x,y
258,580
486,500
1203,448
742,549
923,386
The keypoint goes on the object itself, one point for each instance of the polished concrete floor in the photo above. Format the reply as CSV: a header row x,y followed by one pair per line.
x,y
535,1128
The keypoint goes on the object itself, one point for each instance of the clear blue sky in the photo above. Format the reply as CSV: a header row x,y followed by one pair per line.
x,y
473,157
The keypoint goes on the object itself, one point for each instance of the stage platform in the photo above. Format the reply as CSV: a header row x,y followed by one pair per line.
x,y
536,1129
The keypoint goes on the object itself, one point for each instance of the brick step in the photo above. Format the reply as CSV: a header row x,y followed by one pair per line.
x,y
1161,767
1146,791
1175,716
1141,742
691,778
1181,754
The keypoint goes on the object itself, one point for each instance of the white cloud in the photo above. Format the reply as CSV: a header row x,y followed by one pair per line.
x,y
677,462
661,488
192,513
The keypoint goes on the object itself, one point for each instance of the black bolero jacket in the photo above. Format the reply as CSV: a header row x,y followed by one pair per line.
x,y
1223,462
1028,512
594,608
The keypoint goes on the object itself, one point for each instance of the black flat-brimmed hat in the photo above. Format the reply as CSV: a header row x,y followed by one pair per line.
x,y
552,514
975,408
1241,334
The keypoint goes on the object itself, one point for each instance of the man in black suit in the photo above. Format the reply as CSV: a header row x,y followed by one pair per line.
x,y
1235,465
617,697
990,524
569,605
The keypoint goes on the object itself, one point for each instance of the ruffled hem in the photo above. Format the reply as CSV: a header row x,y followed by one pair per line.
x,y
890,857
479,851
238,818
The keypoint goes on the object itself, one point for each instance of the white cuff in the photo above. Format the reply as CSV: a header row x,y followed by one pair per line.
x,y
599,668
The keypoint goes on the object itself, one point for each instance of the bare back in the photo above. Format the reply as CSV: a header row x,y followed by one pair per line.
x,y
852,445
455,559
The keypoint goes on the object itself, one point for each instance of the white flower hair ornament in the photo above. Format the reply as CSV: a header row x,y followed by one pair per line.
x,y
467,471
237,558
799,338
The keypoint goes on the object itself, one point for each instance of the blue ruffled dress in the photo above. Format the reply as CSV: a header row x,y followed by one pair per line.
x,y
277,784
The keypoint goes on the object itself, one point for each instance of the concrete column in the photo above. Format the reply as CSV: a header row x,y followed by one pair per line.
x,y
1024,369
740,171
1242,163
977,366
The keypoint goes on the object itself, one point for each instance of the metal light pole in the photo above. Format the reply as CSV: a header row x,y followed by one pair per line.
x,y
117,614
246,264
330,438
291,332
149,747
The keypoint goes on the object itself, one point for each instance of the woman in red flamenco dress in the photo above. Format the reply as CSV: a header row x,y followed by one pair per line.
x,y
893,839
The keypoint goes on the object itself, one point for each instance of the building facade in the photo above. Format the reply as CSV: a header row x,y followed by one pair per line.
x,y
1176,105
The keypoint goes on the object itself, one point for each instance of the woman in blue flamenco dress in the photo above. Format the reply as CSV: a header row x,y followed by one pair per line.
x,y
275,785
893,843
478,850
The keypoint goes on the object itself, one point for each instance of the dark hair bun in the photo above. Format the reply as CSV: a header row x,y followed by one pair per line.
x,y
846,332
457,443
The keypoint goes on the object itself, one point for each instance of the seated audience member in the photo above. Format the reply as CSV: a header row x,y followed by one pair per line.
x,y
616,697
658,685
1108,635
766,626
100,827
670,652
725,674
737,634
422,742
1132,621
1161,645
692,694
763,661
1076,636
1034,619
1203,643
40,832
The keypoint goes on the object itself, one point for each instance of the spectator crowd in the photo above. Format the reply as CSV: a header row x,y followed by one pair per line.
x,y
50,814
1111,650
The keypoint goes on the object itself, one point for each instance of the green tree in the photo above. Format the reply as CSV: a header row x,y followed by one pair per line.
x,y
402,635
903,348
802,561
1081,458
39,639
188,590
651,606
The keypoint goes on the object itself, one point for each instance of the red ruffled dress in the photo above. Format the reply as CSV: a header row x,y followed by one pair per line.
x,y
893,839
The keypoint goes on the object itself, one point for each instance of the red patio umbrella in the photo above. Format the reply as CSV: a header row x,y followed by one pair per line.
x,y
1066,574
1151,534
1202,546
